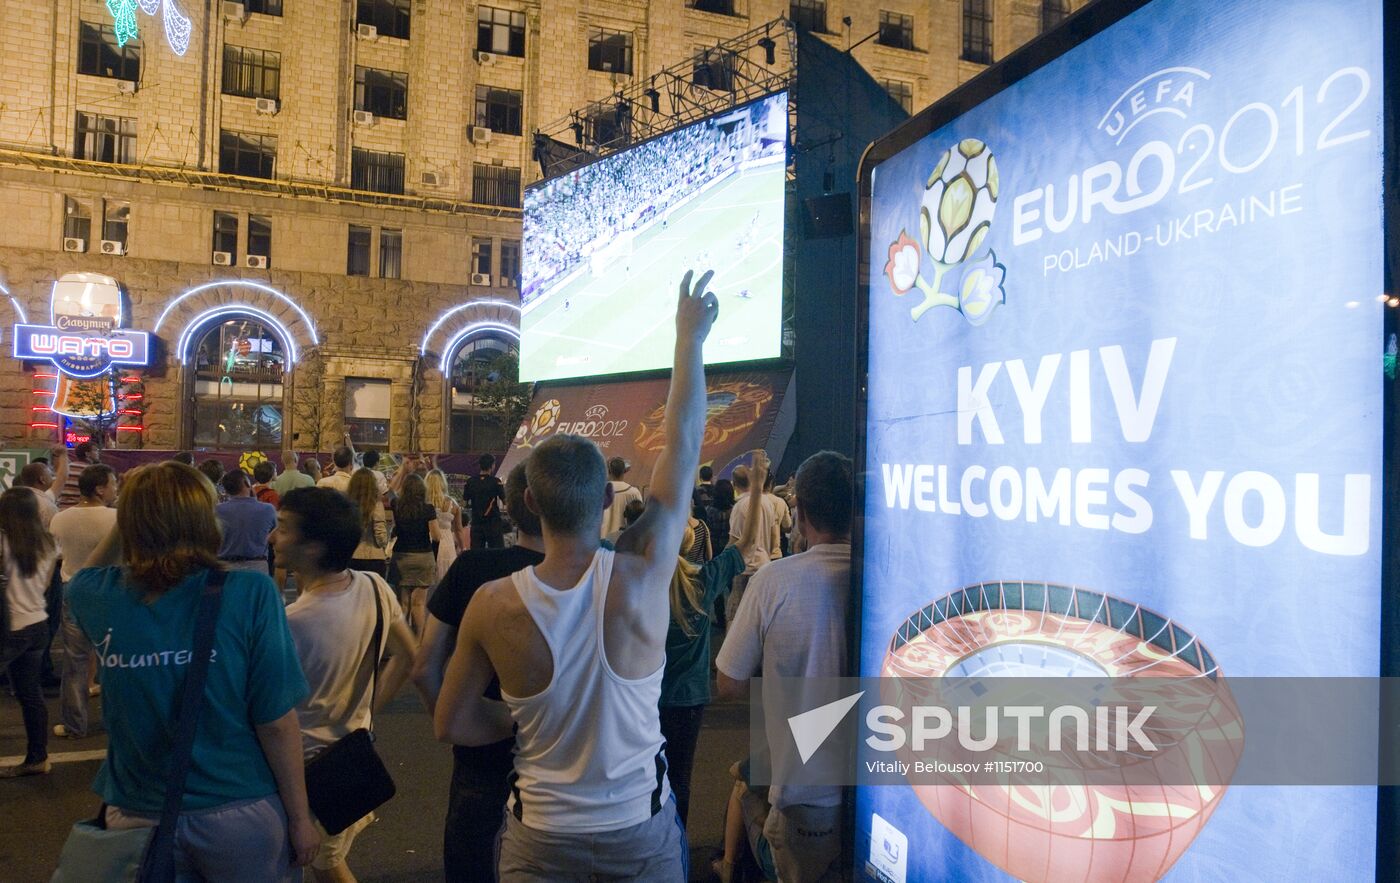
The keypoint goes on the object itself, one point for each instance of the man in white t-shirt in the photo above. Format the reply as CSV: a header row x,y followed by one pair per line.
x,y
344,459
792,624
623,493
78,529
46,483
333,623
761,553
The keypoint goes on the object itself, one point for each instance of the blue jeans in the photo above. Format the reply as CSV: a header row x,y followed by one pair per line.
x,y
22,652
77,657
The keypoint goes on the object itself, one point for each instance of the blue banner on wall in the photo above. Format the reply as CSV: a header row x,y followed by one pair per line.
x,y
1126,334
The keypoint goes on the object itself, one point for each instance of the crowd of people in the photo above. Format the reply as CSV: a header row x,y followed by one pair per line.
x,y
569,217
569,663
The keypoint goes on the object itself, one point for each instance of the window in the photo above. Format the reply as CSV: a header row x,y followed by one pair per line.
x,y
500,31
382,93
499,109
252,156
481,256
260,236
237,387
226,233
714,69
105,139
390,254
496,185
809,14
77,219
610,51
389,17
100,56
1052,12
379,172
367,409
510,263
484,359
265,7
896,30
357,252
977,31
252,73
900,91
719,7
116,213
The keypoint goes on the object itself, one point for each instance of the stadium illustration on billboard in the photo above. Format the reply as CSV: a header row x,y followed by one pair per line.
x,y
606,245
959,202
997,632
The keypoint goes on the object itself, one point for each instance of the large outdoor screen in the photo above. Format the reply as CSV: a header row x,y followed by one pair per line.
x,y
1126,361
606,246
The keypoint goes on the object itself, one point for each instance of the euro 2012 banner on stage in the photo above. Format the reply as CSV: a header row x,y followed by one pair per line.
x,y
1126,335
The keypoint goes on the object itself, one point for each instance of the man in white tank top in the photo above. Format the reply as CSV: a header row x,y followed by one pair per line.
x,y
578,643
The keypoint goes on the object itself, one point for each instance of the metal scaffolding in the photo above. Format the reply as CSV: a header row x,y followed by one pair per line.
x,y
756,63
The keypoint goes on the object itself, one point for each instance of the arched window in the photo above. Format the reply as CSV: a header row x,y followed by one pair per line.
x,y
236,370
481,360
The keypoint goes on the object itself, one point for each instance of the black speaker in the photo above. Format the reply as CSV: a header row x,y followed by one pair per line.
x,y
827,217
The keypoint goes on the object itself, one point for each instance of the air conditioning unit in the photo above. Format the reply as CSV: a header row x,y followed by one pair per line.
x,y
485,58
223,258
481,278
607,66
126,87
364,118
480,135
256,261
266,105
112,246
235,10
431,179
509,282
73,243
367,32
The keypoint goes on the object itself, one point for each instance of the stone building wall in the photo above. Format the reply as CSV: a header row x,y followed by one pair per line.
x,y
364,327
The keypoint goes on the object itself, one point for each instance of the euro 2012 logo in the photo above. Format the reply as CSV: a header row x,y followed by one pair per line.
x,y
954,220
546,416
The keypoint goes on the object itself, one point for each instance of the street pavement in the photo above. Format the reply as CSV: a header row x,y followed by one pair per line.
x,y
406,844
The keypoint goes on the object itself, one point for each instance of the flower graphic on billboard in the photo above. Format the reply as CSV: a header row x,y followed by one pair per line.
x,y
955,216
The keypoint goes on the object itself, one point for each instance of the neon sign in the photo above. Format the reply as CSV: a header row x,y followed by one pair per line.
x,y
84,341
81,354
177,25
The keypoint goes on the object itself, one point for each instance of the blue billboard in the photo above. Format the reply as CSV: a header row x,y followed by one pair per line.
x,y
1126,333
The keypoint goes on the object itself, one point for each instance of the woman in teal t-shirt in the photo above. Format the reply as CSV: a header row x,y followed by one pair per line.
x,y
244,815
685,686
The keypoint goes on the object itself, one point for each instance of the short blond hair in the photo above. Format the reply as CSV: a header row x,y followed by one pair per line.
x,y
168,526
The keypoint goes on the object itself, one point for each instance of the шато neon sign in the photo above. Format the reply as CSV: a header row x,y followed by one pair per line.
x,y
85,339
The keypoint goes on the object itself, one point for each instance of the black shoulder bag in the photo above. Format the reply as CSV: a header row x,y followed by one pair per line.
x,y
348,781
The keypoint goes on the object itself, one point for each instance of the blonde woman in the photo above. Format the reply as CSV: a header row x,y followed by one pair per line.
x,y
448,538
244,804
372,554
415,523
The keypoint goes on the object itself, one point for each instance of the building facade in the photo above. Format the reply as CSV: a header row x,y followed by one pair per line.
x,y
312,206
